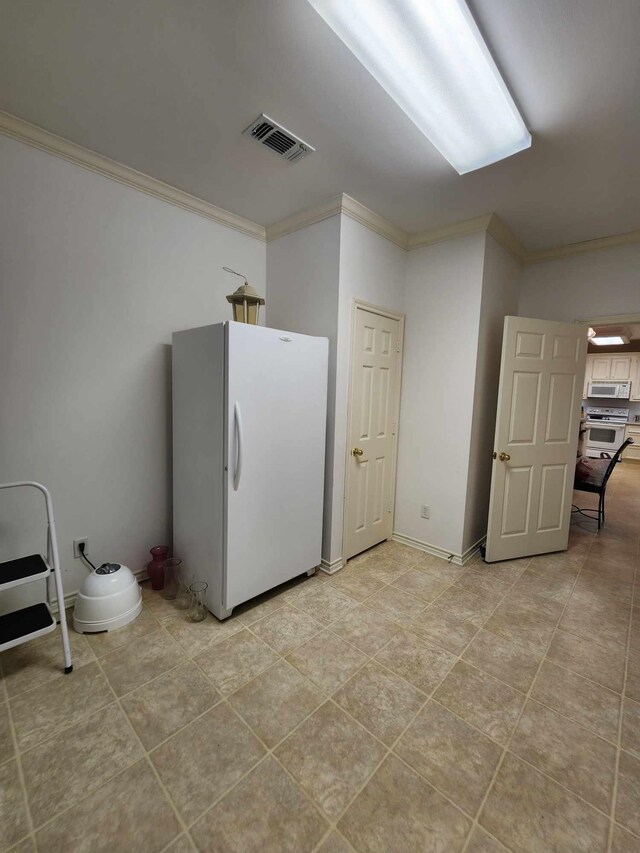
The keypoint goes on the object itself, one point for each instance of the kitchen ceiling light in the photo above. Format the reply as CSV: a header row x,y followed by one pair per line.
x,y
432,60
612,341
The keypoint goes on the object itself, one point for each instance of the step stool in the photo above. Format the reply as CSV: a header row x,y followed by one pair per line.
x,y
28,623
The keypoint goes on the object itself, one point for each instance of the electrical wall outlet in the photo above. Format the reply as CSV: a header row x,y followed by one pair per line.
x,y
425,511
77,553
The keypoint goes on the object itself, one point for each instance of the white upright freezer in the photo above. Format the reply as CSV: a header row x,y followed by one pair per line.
x,y
249,423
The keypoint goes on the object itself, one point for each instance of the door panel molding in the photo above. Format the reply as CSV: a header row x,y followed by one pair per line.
x,y
541,381
390,405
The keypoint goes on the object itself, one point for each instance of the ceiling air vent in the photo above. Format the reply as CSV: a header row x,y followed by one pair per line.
x,y
268,132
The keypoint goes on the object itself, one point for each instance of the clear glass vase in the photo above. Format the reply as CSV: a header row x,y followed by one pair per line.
x,y
171,578
183,596
197,611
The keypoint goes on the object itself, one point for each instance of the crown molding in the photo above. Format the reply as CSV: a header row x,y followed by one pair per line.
x,y
503,235
448,232
556,253
317,213
38,137
372,220
345,204
341,203
611,320
490,223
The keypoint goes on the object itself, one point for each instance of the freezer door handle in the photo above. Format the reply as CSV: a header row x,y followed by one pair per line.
x,y
237,419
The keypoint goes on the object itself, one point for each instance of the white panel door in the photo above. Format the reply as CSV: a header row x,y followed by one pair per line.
x,y
536,437
375,387
276,423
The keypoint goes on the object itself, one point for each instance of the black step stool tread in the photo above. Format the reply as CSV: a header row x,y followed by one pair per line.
x,y
20,623
23,567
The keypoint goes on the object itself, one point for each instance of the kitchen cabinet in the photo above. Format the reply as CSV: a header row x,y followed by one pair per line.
x,y
600,367
635,378
620,367
610,366
587,377
632,452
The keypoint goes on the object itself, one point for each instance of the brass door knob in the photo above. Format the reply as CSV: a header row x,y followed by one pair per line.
x,y
504,457
357,452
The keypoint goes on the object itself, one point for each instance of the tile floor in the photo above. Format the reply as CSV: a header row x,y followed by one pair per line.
x,y
403,705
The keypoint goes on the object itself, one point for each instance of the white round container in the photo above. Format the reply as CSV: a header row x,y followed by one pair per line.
x,y
108,599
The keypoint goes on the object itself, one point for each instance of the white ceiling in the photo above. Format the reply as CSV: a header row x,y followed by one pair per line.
x,y
167,87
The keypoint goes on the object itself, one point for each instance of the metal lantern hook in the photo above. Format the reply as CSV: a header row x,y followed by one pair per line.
x,y
228,269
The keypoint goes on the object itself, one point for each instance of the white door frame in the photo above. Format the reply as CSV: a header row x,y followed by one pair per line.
x,y
357,304
612,320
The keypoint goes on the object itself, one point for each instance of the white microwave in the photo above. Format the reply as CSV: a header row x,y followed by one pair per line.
x,y
613,389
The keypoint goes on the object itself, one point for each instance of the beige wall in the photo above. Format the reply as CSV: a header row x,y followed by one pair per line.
x,y
372,269
594,284
302,281
443,298
455,295
500,292
94,277
313,276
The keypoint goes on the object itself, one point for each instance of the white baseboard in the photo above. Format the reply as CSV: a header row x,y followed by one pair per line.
x,y
472,550
70,598
436,551
331,568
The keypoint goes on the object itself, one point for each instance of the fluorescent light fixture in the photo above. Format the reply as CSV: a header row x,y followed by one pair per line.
x,y
612,341
430,57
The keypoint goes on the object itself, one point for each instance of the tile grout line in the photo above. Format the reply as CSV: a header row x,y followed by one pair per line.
x,y
614,793
46,682
21,778
505,749
225,699
538,701
390,749
269,750
282,657
76,668
146,756
430,698
525,760
327,698
86,795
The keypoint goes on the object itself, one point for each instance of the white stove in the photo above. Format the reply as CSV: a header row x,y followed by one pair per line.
x,y
605,429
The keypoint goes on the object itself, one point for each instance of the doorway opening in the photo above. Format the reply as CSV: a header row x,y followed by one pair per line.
x,y
610,415
611,394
